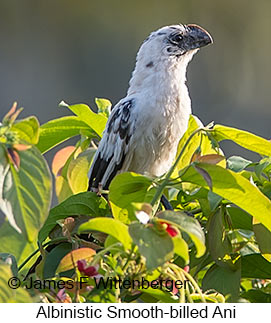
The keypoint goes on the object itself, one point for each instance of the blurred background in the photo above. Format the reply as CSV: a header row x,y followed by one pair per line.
x,y
53,50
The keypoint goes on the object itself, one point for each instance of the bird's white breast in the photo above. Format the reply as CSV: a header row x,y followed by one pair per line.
x,y
162,109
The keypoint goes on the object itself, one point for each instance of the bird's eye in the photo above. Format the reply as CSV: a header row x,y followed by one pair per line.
x,y
177,38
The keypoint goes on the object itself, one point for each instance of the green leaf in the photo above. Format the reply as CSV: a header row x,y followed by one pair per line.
x,y
234,187
193,124
104,106
14,243
223,280
7,294
69,261
53,258
95,121
199,140
214,298
187,224
102,294
181,248
126,189
78,171
163,296
155,248
110,241
267,163
243,138
262,166
239,218
10,260
4,166
86,203
266,189
237,163
25,196
218,244
255,266
110,226
56,131
27,129
263,237
256,296
214,200
209,298
62,189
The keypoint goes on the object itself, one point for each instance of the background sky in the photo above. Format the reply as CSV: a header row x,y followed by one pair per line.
x,y
53,50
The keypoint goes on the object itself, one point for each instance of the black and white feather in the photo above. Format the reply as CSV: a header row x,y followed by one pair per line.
x,y
144,128
114,146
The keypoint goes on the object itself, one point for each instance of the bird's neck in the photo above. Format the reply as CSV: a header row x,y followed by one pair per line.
x,y
162,81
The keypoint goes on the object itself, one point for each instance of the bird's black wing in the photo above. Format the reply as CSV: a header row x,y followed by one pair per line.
x,y
114,145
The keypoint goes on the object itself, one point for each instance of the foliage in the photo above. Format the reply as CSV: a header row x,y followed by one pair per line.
x,y
214,246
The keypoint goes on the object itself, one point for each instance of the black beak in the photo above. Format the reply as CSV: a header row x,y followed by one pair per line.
x,y
196,37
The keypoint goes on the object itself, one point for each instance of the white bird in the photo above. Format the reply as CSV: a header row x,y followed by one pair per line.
x,y
144,128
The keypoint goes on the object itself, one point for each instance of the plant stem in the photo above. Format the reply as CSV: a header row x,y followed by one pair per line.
x,y
188,295
161,188
27,259
182,291
190,278
196,286
37,250
128,258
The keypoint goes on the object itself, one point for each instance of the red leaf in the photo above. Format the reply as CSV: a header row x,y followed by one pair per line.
x,y
195,156
212,159
21,147
60,159
14,158
70,260
11,111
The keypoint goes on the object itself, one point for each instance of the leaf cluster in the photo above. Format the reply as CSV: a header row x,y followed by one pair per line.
x,y
216,240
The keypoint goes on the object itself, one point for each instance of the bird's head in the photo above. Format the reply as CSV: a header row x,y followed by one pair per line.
x,y
167,51
175,41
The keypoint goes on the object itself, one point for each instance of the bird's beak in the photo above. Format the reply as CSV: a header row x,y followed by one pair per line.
x,y
197,37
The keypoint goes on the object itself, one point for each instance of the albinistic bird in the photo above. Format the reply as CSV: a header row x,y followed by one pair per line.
x,y
144,128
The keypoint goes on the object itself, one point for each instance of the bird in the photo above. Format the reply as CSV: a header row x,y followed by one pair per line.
x,y
144,128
